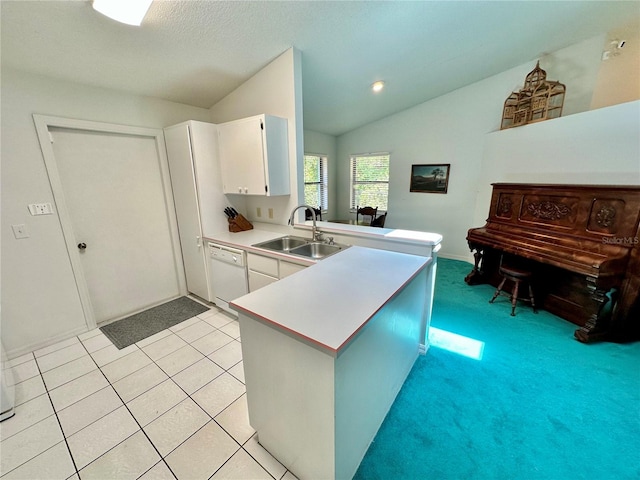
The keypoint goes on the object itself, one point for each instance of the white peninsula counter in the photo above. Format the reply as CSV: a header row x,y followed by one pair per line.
x,y
325,353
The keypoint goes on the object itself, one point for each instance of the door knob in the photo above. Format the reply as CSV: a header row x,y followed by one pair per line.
x,y
82,246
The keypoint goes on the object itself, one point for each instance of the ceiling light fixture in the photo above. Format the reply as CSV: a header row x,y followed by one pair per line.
x,y
130,12
377,86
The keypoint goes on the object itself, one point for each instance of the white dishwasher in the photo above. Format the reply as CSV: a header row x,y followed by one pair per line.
x,y
228,271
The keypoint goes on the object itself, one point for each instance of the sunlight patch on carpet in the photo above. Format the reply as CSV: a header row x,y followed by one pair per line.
x,y
456,343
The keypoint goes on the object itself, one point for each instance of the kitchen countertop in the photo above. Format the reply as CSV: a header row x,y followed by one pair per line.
x,y
409,241
393,234
243,239
325,306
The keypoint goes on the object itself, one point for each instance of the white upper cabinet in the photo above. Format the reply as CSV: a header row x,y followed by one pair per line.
x,y
254,156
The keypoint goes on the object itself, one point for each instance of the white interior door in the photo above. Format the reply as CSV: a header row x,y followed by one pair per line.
x,y
115,199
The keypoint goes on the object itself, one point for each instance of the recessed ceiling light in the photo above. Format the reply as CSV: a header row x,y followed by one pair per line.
x,y
377,86
130,12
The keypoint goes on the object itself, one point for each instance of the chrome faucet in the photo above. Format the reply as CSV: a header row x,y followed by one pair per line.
x,y
314,230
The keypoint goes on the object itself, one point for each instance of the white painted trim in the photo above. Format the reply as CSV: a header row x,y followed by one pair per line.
x,y
32,347
42,124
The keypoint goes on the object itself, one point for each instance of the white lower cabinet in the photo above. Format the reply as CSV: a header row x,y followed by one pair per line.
x,y
288,268
258,280
265,270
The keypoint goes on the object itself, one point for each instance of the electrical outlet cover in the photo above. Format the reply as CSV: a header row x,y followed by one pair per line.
x,y
40,209
20,231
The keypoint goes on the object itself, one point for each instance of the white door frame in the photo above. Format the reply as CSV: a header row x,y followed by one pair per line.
x,y
43,122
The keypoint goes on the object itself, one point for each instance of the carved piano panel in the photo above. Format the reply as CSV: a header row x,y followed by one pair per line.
x,y
560,212
581,241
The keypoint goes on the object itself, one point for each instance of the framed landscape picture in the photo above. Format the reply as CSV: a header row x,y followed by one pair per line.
x,y
432,178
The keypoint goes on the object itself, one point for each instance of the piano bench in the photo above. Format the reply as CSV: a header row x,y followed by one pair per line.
x,y
516,276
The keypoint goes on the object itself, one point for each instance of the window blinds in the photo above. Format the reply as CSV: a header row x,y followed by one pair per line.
x,y
370,181
315,181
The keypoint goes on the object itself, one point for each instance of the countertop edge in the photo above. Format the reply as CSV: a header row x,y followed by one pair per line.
x,y
247,304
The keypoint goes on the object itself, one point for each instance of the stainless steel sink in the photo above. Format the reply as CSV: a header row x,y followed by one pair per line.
x,y
302,247
283,244
316,250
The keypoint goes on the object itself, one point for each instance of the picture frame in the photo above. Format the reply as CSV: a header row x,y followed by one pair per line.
x,y
430,178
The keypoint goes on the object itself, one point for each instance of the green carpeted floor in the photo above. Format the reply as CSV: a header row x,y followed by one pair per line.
x,y
537,405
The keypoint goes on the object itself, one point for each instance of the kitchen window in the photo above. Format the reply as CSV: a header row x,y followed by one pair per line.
x,y
370,180
315,181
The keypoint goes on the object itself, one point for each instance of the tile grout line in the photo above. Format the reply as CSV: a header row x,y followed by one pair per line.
x,y
47,391
240,446
189,396
57,349
55,412
134,419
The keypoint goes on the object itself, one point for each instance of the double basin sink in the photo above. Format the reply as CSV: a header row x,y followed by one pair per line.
x,y
302,247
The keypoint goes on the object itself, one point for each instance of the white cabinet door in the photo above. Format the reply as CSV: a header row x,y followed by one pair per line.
x,y
254,156
258,280
179,140
265,270
206,162
262,264
288,268
241,156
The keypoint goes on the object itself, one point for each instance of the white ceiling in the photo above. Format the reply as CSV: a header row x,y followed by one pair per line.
x,y
196,52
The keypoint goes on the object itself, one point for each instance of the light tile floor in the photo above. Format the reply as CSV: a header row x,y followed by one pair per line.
x,y
171,406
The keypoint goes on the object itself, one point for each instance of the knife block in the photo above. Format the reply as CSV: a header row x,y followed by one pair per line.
x,y
239,224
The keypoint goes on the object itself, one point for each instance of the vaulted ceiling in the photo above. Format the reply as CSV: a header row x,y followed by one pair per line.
x,y
196,52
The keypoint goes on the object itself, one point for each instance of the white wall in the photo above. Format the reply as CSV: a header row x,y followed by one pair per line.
x,y
274,90
596,147
454,128
39,298
450,129
40,301
323,144
621,69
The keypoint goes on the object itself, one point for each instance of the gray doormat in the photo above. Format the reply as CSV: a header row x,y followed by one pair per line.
x,y
137,327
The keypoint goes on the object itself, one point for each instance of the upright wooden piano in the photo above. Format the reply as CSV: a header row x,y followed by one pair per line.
x,y
582,243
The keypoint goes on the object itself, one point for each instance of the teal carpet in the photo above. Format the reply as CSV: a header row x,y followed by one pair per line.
x,y
537,405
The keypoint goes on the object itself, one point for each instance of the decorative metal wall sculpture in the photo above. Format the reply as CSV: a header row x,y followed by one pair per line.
x,y
539,99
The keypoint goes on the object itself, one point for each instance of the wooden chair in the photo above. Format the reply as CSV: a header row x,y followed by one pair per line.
x,y
516,275
366,212
308,216
379,222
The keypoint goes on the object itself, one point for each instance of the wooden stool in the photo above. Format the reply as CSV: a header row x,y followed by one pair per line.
x,y
516,276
